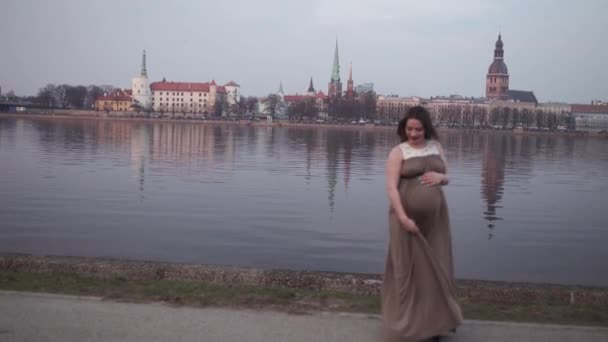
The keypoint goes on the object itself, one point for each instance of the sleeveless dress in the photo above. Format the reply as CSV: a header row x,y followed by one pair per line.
x,y
418,292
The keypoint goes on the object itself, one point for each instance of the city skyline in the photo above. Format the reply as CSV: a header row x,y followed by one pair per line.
x,y
555,51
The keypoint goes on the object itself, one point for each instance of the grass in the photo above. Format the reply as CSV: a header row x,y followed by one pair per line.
x,y
198,294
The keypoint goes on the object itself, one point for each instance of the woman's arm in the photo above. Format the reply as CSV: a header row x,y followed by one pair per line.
x,y
445,180
393,175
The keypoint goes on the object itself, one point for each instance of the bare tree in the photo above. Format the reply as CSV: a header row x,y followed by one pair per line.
x,y
540,118
46,95
60,96
272,102
93,92
75,96
251,104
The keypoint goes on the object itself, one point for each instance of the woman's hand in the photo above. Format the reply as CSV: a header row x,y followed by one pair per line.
x,y
432,178
409,225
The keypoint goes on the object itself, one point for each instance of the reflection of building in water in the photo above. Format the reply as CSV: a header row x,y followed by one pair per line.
x,y
492,176
140,149
115,134
348,152
332,170
181,143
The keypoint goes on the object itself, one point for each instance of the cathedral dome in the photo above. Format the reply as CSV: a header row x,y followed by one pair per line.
x,y
498,66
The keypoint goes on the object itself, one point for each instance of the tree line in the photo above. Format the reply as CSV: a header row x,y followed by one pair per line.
x,y
474,116
71,97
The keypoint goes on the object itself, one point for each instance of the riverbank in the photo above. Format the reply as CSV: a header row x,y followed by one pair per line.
x,y
284,290
133,117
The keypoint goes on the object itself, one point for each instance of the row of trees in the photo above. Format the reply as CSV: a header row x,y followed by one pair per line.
x,y
362,106
483,116
342,108
501,117
73,97
305,108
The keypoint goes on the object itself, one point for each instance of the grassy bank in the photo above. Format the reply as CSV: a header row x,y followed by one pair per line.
x,y
200,294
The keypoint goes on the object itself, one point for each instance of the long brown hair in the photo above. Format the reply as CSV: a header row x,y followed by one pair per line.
x,y
421,114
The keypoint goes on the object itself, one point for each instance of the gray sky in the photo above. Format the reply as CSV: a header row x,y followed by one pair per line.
x,y
555,48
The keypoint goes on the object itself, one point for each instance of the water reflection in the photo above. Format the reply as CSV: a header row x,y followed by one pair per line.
x,y
492,178
294,197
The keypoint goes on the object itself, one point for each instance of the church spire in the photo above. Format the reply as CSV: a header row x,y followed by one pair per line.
x,y
144,72
281,88
311,88
335,73
350,87
350,72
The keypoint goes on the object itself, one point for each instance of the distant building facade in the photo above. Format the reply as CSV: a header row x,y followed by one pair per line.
x,y
192,97
592,118
318,100
364,88
393,108
117,101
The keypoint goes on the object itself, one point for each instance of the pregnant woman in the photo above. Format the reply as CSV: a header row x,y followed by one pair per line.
x,y
418,295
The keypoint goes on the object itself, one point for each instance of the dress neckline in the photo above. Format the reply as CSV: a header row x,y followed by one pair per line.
x,y
426,144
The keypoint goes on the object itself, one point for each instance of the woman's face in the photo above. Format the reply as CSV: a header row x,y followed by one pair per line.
x,y
414,131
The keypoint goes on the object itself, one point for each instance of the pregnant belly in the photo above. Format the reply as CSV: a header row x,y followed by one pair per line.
x,y
421,201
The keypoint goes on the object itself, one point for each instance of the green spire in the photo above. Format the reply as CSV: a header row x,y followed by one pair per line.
x,y
144,72
335,73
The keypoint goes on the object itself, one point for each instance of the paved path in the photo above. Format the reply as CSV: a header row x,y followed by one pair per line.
x,y
43,317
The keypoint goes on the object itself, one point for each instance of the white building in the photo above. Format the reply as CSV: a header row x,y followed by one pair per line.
x,y
233,92
141,87
593,118
392,108
184,97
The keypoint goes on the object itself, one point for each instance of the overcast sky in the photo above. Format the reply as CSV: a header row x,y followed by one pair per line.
x,y
556,48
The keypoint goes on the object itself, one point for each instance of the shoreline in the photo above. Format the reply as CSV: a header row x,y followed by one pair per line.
x,y
291,292
496,292
82,115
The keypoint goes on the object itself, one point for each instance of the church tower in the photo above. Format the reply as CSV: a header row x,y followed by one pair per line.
x,y
311,89
335,86
497,79
350,86
141,86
